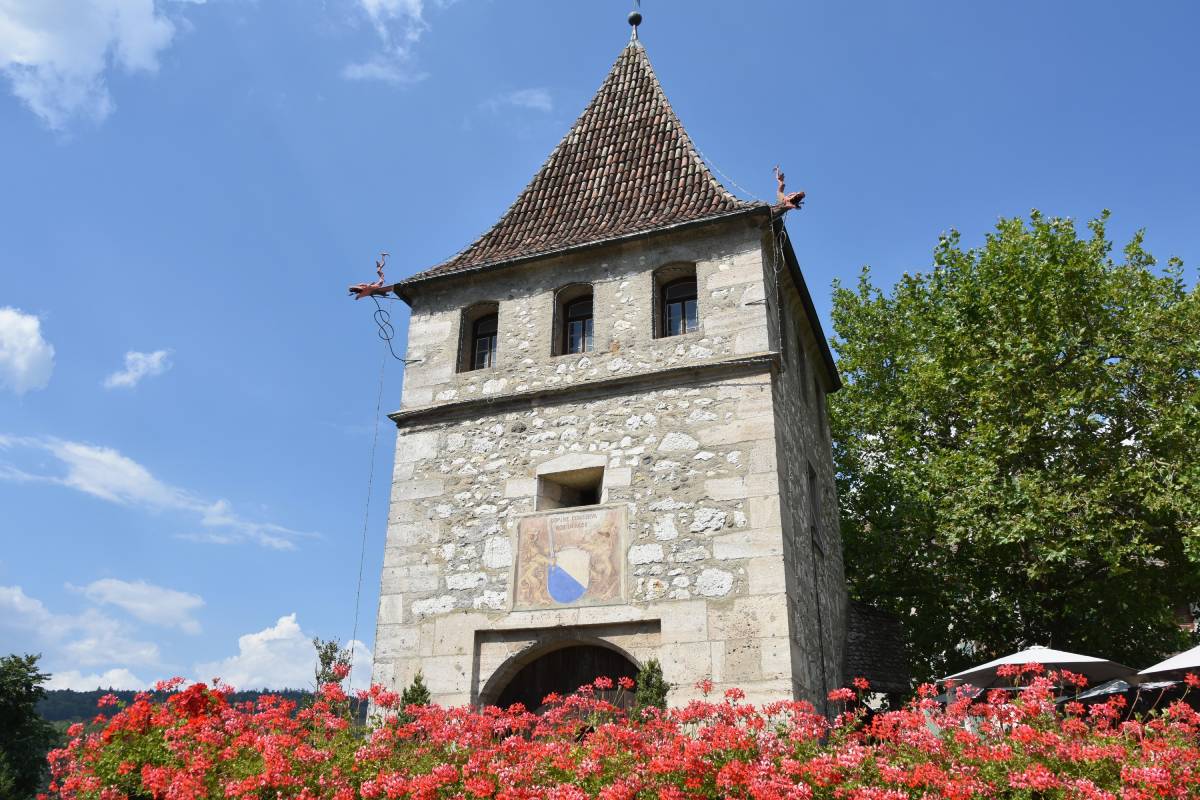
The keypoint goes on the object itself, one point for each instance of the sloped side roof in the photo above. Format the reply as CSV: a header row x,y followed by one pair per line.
x,y
875,649
626,167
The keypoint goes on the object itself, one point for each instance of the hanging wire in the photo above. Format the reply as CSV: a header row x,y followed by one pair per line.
x,y
362,554
387,331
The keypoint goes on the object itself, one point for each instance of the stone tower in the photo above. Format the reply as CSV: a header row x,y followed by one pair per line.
x,y
612,444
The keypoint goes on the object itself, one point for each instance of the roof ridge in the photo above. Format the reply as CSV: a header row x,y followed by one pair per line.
x,y
625,166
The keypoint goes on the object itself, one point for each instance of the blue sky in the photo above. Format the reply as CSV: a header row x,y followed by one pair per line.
x,y
187,397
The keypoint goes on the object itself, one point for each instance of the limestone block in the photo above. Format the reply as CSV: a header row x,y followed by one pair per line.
x,y
677,441
683,621
520,487
419,489
766,576
497,552
748,618
433,605
761,483
460,581
751,340
571,462
708,519
396,641
447,675
743,660
415,396
745,430
391,608
749,543
776,657
645,554
618,477
685,663
489,600
764,512
412,579
725,488
714,582
417,445
454,634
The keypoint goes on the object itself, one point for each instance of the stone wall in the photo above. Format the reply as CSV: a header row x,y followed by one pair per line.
x,y
817,601
695,466
697,434
728,259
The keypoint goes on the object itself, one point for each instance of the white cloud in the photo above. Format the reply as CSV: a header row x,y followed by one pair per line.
x,y
534,99
278,657
56,53
26,359
138,366
154,604
86,639
109,679
107,474
399,24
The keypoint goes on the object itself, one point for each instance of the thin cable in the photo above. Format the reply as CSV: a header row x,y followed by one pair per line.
x,y
362,555
730,180
387,332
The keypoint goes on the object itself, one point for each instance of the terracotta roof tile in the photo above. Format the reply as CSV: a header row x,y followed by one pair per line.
x,y
626,167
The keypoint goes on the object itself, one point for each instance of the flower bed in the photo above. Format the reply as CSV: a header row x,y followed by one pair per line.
x,y
197,745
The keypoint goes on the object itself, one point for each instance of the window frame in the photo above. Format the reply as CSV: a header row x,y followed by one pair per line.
x,y
492,337
666,279
473,317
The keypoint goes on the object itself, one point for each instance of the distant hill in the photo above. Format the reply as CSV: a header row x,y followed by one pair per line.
x,y
68,705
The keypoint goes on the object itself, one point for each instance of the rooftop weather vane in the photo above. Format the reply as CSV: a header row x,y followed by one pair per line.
x,y
786,200
635,18
361,290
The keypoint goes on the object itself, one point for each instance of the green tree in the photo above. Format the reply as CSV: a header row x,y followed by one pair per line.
x,y
415,694
1018,446
331,657
25,737
650,690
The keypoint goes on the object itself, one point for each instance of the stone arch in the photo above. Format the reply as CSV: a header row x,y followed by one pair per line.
x,y
518,665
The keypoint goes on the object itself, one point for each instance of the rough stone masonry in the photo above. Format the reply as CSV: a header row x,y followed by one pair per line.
x,y
711,542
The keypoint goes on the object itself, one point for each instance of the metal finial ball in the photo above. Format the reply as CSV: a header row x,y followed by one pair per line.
x,y
635,18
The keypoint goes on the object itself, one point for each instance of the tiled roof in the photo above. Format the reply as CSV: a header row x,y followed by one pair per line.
x,y
626,167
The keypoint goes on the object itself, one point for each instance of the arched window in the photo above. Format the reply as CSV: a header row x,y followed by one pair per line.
x,y
478,337
573,320
680,314
676,309
483,339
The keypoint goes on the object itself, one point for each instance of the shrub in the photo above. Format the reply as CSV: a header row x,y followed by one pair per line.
x,y
651,691
197,745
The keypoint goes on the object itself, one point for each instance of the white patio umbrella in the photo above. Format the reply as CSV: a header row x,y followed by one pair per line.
x,y
1176,666
1097,670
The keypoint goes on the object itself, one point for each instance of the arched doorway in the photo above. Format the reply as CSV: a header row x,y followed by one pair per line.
x,y
561,670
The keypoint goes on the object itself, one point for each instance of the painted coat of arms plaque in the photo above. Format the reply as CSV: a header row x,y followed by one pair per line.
x,y
570,557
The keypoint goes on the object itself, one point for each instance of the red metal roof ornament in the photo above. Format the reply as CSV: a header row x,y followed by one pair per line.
x,y
785,202
376,289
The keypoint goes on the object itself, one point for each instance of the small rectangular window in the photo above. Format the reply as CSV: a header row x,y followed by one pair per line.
x,y
580,487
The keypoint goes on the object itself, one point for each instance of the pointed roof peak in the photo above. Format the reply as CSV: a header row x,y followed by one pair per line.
x,y
626,167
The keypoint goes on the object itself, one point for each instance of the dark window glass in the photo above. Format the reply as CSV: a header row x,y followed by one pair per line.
x,y
483,335
577,331
679,311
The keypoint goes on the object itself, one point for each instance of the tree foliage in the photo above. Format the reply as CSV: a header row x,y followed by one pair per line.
x,y
25,737
331,657
1018,446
